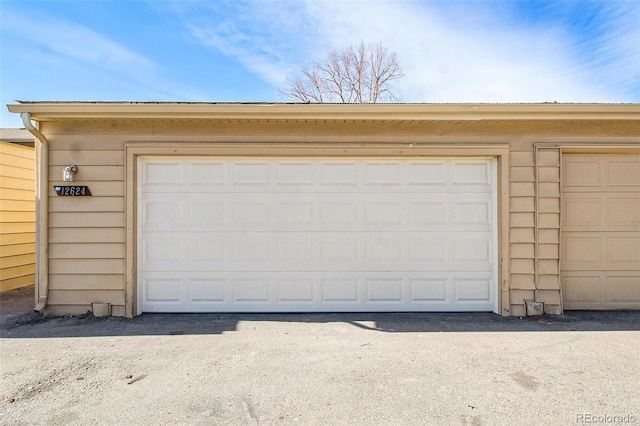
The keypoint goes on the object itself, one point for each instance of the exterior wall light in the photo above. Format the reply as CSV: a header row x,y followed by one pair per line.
x,y
69,174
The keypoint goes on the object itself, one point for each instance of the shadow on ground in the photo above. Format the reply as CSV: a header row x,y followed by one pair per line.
x,y
17,320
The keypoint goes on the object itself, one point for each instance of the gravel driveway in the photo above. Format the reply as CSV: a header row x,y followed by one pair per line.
x,y
442,369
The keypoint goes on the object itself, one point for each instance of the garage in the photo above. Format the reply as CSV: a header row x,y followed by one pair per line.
x,y
600,260
316,234
271,207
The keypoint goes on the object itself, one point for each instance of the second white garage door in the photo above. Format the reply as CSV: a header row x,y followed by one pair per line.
x,y
316,234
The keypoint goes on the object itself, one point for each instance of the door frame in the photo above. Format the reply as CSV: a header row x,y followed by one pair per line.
x,y
133,150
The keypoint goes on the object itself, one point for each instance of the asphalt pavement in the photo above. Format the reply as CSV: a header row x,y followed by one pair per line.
x,y
365,368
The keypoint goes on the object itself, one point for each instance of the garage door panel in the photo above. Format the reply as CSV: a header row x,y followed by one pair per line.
x,y
295,212
296,291
163,251
472,212
339,250
340,290
306,292
251,290
623,252
257,212
476,290
355,251
253,250
623,289
601,289
250,174
207,290
601,172
162,174
383,291
624,172
624,211
159,290
472,251
271,235
341,174
581,211
290,175
295,174
582,251
241,292
582,290
428,250
383,212
616,251
162,213
190,212
203,249
428,212
469,173
380,249
209,213
429,290
581,172
601,212
293,249
204,174
383,174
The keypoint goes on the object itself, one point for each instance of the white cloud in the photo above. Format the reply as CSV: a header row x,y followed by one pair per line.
x,y
451,56
611,57
262,36
74,42
450,52
57,42
254,53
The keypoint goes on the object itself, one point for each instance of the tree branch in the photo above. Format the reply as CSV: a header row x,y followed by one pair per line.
x,y
361,74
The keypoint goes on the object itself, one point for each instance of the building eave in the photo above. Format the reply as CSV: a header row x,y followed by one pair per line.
x,y
53,111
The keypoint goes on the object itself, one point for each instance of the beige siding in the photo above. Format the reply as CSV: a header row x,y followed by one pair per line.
x,y
522,235
548,160
86,237
17,216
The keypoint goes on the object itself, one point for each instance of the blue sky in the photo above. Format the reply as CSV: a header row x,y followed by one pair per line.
x,y
450,51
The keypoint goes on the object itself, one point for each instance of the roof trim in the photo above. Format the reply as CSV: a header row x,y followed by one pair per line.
x,y
64,110
12,134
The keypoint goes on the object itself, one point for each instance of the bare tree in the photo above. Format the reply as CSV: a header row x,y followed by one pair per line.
x,y
355,75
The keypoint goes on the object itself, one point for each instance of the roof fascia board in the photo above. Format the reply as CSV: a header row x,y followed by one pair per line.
x,y
43,111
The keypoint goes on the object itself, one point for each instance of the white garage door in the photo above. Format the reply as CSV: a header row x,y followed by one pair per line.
x,y
316,234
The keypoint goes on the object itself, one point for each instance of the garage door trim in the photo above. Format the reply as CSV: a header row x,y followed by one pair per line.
x,y
498,151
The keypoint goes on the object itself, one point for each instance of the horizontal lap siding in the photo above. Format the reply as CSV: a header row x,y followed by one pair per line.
x,y
548,164
522,232
87,234
535,227
17,216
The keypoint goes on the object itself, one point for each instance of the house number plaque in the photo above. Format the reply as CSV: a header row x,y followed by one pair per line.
x,y
73,190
